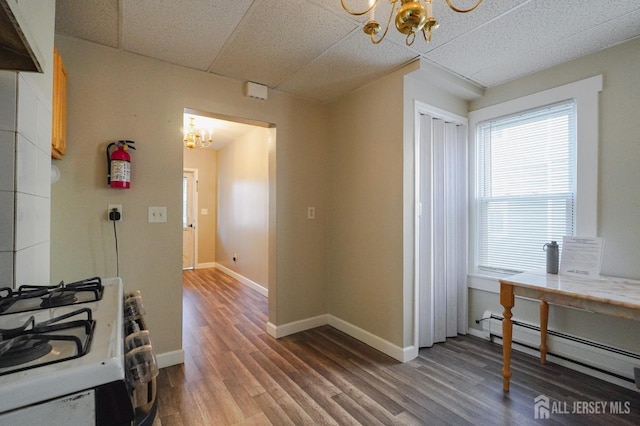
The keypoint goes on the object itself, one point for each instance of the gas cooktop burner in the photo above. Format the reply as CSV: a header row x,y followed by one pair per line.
x,y
20,350
36,344
29,297
59,297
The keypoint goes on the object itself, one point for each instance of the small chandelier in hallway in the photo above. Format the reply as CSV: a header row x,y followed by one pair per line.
x,y
195,138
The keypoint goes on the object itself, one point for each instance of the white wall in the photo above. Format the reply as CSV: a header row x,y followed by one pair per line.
x,y
25,158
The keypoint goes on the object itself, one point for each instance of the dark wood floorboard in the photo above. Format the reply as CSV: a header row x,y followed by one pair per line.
x,y
236,374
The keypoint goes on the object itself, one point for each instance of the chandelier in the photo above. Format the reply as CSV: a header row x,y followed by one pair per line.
x,y
411,18
195,138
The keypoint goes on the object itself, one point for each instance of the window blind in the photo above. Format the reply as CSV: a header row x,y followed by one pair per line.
x,y
526,178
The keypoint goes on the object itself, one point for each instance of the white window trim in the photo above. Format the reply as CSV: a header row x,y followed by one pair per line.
x,y
586,94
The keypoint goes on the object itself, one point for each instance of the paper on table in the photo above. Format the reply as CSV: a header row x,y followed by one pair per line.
x,y
581,256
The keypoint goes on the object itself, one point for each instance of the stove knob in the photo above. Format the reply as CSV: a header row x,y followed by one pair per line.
x,y
141,365
133,308
131,326
135,293
137,339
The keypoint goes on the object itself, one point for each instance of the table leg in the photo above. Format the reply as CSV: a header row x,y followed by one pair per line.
x,y
544,321
507,301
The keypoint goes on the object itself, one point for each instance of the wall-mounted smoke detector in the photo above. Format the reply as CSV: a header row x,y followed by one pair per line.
x,y
255,91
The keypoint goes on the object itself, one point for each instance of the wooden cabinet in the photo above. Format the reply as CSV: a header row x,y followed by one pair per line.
x,y
59,128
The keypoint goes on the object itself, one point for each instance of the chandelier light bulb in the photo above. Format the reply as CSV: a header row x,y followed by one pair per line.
x,y
195,138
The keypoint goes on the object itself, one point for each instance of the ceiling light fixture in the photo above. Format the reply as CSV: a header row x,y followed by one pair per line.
x,y
411,18
195,138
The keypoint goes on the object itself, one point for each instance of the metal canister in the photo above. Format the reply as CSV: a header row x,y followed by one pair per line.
x,y
553,255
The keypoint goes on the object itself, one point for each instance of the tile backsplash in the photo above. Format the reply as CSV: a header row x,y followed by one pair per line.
x,y
25,182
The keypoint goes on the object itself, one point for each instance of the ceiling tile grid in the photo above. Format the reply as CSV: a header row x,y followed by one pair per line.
x,y
517,34
543,57
454,25
185,33
93,20
277,38
314,49
335,6
349,65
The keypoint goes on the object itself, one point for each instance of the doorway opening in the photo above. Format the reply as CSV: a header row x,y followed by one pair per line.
x,y
189,218
233,207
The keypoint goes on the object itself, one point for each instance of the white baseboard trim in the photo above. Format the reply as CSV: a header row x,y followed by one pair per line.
x,y
478,333
167,359
205,265
384,346
278,331
584,355
244,280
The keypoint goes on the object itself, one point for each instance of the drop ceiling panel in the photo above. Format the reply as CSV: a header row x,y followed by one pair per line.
x,y
93,20
357,5
542,57
314,49
189,33
542,23
454,24
358,60
278,37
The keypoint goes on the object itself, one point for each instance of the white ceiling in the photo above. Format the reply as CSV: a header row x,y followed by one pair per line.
x,y
314,49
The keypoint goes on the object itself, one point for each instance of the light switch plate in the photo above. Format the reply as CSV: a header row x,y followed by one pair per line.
x,y
157,214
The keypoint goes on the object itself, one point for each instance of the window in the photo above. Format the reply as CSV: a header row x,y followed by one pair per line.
x,y
525,185
533,173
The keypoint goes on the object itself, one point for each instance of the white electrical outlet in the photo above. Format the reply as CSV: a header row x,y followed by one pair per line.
x,y
157,214
117,207
311,212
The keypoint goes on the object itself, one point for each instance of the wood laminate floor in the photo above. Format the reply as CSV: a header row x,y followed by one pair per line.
x,y
236,374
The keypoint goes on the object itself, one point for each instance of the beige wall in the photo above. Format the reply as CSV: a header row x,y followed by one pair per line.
x,y
371,202
364,266
618,177
243,206
205,161
115,95
351,160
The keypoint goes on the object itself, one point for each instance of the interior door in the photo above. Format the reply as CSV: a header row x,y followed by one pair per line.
x,y
442,229
188,219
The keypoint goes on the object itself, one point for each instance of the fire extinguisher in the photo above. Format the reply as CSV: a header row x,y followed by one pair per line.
x,y
119,164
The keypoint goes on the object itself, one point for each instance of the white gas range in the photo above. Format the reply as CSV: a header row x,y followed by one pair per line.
x,y
67,364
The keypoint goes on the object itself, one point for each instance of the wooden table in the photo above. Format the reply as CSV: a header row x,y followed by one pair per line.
x,y
607,295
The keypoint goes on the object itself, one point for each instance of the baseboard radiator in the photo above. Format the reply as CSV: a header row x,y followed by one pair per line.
x,y
608,363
